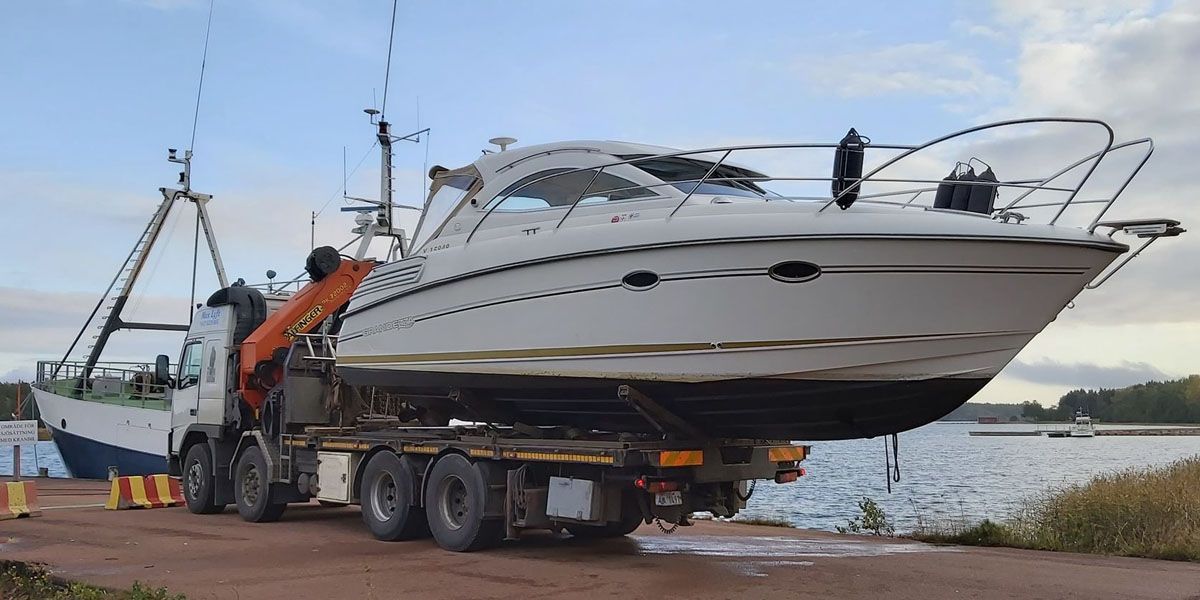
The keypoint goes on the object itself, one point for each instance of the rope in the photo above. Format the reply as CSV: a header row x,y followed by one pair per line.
x,y
891,472
749,491
200,87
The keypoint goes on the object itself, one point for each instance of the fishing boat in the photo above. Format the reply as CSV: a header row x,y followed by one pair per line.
x,y
626,287
110,417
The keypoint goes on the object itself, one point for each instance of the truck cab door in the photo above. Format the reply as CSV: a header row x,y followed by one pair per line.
x,y
186,395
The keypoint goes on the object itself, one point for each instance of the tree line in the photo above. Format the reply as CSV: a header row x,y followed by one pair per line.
x,y
1174,401
8,401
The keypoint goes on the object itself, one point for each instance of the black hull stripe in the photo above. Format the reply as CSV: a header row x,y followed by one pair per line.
x,y
1114,247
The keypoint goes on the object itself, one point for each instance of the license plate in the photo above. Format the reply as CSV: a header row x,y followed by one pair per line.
x,y
668,498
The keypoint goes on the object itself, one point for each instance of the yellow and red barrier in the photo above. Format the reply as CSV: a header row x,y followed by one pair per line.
x,y
151,491
18,499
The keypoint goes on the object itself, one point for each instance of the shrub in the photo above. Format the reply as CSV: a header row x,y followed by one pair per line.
x,y
873,520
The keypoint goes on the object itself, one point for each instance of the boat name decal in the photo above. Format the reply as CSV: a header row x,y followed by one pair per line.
x,y
436,248
625,217
401,323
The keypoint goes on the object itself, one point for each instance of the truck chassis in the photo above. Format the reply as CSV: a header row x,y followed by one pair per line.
x,y
472,486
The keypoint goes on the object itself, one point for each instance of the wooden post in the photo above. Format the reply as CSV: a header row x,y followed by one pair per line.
x,y
17,447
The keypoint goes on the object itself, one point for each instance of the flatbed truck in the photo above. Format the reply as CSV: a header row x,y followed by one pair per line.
x,y
260,419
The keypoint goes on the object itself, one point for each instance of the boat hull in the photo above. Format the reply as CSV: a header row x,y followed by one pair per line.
x,y
93,436
894,331
744,408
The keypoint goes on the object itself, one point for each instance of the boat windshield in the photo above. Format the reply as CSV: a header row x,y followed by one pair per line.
x,y
447,192
684,173
549,189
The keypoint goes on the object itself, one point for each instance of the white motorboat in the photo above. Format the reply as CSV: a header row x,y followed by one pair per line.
x,y
1083,426
632,288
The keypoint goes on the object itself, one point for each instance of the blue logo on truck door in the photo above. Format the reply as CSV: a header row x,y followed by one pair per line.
x,y
209,317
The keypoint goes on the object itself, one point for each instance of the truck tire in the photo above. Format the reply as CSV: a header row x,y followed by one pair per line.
x,y
454,504
199,485
387,499
252,491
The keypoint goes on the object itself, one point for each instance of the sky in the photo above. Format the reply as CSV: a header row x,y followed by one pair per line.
x,y
93,92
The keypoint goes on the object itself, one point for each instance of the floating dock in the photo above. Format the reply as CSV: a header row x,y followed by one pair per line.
x,y
1148,432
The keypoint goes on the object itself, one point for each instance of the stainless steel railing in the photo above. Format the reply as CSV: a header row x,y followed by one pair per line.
x,y
908,198
124,383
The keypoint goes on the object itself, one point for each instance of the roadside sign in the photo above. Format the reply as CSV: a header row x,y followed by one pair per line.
x,y
18,432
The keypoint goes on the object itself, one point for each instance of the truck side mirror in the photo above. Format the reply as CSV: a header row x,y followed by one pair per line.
x,y
162,369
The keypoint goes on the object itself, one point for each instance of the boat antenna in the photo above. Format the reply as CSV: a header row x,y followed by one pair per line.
x,y
387,73
187,185
200,86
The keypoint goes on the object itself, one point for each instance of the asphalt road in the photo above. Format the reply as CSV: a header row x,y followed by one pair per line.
x,y
317,552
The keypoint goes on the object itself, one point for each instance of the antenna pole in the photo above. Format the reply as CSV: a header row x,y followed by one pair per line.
x,y
385,169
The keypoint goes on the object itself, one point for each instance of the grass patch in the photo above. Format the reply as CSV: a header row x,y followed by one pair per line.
x,y
1150,512
20,581
765,522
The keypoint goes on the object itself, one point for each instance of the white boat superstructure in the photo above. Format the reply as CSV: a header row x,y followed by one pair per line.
x,y
546,282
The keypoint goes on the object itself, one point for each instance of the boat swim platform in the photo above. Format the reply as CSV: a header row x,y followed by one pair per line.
x,y
1149,432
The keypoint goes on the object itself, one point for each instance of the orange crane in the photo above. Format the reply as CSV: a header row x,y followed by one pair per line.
x,y
263,352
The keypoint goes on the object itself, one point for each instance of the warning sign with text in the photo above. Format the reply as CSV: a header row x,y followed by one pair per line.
x,y
17,432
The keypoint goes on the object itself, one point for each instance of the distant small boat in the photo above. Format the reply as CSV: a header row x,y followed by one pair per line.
x,y
1083,427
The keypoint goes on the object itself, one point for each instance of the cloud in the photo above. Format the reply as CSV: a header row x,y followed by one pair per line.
x,y
1131,64
913,69
17,374
1087,375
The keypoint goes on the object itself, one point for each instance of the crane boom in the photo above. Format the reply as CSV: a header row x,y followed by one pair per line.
x,y
263,351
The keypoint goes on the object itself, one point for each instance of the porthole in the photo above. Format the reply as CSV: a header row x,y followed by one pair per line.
x,y
63,422
794,271
640,280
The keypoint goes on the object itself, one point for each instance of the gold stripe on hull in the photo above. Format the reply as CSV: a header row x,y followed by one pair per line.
x,y
578,351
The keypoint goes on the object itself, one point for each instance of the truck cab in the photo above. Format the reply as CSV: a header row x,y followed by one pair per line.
x,y
198,388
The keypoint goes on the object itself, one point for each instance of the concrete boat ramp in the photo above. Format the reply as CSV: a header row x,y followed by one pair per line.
x,y
319,552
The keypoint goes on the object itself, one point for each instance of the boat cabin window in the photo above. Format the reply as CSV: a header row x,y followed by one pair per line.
x,y
684,173
564,190
448,192
189,365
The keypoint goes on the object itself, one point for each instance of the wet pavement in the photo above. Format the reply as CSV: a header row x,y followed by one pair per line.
x,y
316,552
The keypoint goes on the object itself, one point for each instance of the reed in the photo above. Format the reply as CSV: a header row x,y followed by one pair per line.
x,y
1150,512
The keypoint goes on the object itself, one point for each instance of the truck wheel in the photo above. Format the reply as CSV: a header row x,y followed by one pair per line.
x,y
199,486
251,489
387,499
454,503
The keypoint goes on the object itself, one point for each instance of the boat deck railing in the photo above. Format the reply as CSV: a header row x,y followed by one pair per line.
x,y
121,383
914,193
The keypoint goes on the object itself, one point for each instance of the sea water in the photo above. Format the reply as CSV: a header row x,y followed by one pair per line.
x,y
947,475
